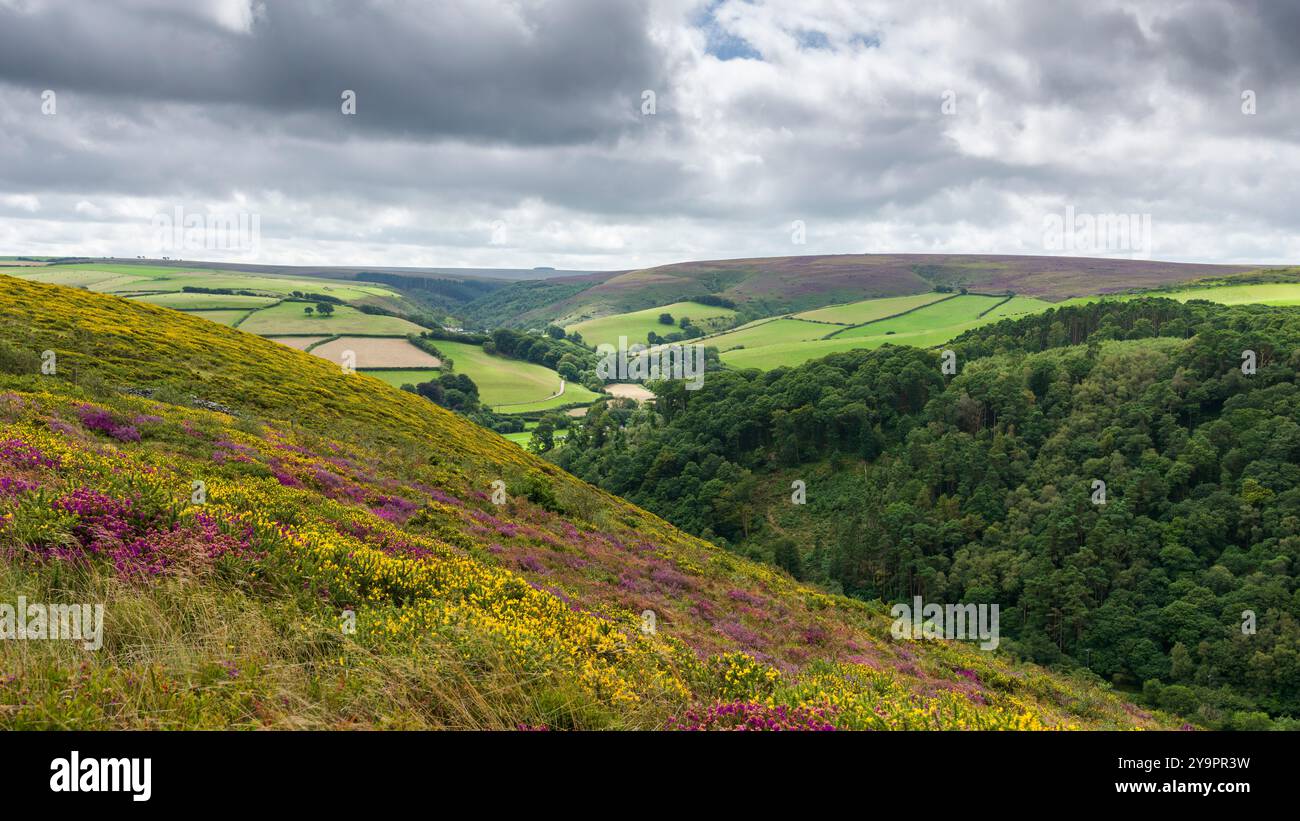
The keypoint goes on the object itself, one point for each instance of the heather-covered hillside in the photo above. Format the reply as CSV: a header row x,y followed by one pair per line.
x,y
280,544
774,285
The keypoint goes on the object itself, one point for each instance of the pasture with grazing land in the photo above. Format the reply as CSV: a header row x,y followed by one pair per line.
x,y
1018,306
954,311
290,318
300,343
937,323
378,341
224,317
505,381
804,283
1269,293
868,310
523,437
636,325
188,301
773,332
398,378
573,392
789,354
138,280
778,343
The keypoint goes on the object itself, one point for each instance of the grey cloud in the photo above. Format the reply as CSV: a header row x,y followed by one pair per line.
x,y
469,110
561,72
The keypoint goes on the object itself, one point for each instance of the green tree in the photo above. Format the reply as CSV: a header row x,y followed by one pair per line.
x,y
543,438
785,555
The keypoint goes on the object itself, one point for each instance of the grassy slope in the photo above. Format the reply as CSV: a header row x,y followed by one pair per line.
x,y
290,318
929,325
1017,307
773,332
794,353
1281,293
869,310
790,284
398,378
222,317
573,394
154,278
468,614
520,386
960,309
206,302
934,325
509,382
637,324
137,279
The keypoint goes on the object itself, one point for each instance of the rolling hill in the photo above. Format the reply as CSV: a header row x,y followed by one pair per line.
x,y
934,319
637,325
281,303
280,544
771,286
1121,474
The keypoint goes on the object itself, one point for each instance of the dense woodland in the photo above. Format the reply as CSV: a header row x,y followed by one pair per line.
x,y
982,487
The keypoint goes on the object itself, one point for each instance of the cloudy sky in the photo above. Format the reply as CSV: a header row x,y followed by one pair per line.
x,y
519,133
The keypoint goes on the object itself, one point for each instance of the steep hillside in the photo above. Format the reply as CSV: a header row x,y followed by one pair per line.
x,y
235,504
774,285
1122,476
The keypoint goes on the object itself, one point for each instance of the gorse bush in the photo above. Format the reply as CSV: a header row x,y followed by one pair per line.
x,y
333,556
18,361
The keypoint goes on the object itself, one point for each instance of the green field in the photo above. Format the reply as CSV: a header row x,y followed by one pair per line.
x,y
955,311
782,342
638,324
511,386
522,437
573,394
65,275
278,286
223,317
790,354
774,332
128,268
869,310
1017,307
207,302
405,377
260,311
1273,293
289,318
141,279
777,343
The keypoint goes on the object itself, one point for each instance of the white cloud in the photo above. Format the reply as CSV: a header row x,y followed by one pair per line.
x,y
533,121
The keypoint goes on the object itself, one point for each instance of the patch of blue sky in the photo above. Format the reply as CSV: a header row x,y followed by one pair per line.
x,y
813,40
721,43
